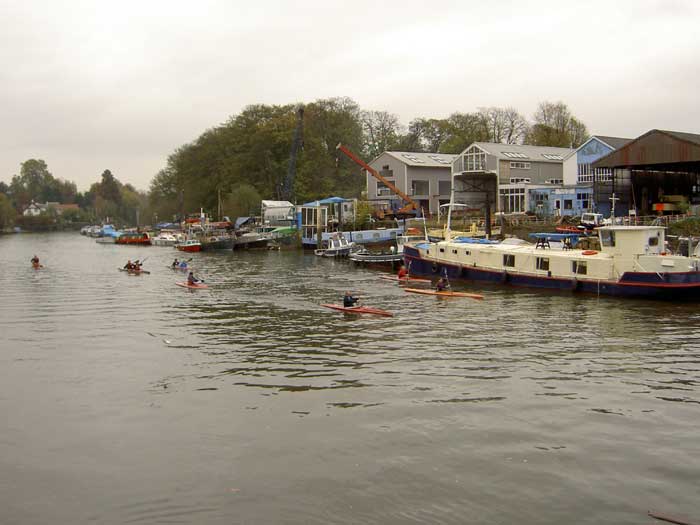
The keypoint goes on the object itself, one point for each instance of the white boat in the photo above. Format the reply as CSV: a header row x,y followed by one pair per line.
x,y
165,239
336,246
633,262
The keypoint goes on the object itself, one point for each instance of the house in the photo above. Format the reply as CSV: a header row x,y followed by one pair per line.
x,y
425,177
501,177
577,164
37,208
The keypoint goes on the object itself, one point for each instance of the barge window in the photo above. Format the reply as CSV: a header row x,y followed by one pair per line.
x,y
509,260
607,238
542,263
442,250
454,251
467,252
579,267
653,241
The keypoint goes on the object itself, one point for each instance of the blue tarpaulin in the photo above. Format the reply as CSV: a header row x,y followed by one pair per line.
x,y
329,200
240,221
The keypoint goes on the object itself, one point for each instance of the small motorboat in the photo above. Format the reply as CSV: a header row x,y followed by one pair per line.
x,y
196,286
337,246
358,310
190,245
444,293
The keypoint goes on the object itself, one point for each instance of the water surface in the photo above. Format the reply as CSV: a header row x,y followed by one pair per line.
x,y
127,399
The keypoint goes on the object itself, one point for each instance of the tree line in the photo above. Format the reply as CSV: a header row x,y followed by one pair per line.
x,y
236,164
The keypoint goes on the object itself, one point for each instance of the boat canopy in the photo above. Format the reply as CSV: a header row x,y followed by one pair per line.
x,y
472,240
329,200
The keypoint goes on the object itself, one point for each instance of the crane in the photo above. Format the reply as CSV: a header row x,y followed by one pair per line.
x,y
410,206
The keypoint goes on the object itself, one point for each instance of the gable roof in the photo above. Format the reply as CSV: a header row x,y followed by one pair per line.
x,y
613,142
524,152
426,160
657,147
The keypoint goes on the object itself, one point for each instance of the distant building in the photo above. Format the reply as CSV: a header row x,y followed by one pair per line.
x,y
425,177
277,213
36,208
504,175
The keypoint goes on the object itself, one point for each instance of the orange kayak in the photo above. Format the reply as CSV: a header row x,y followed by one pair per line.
x,y
445,293
358,310
198,286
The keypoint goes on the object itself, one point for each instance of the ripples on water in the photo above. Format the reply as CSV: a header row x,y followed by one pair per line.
x,y
130,400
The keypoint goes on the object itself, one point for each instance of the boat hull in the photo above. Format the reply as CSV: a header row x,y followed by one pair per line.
x,y
189,248
359,310
682,286
193,286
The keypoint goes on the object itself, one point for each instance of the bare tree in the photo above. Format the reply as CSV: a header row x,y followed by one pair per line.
x,y
381,131
504,125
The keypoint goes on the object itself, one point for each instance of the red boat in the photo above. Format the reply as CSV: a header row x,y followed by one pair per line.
x,y
358,310
189,245
140,239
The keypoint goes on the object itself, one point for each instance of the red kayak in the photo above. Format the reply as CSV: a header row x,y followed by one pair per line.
x,y
445,293
358,310
404,279
198,286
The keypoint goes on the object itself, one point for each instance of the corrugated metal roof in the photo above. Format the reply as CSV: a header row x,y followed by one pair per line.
x,y
689,137
525,152
427,160
276,204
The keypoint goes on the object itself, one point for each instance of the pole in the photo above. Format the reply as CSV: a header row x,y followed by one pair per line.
x,y
319,237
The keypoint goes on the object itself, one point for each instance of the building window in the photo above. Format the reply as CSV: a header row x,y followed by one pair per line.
x,y
542,263
512,200
555,181
514,155
509,260
584,173
383,189
579,267
520,165
568,204
552,156
385,167
420,187
584,199
519,180
607,237
473,159
444,187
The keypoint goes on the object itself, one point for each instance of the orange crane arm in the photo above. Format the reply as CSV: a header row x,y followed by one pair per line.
x,y
411,203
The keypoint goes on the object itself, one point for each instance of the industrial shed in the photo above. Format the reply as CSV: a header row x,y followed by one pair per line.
x,y
658,172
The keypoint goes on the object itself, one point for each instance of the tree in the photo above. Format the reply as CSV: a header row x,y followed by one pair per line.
x,y
381,132
243,201
7,212
504,125
556,126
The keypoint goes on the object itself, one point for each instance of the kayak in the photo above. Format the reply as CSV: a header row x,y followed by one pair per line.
x,y
193,286
445,293
37,266
358,310
133,272
404,279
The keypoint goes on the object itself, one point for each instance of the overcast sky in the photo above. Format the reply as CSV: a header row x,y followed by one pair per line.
x,y
93,85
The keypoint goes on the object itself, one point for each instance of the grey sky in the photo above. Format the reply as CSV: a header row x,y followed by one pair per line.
x,y
89,86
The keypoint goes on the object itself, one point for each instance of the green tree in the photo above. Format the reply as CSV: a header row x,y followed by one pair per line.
x,y
556,126
243,201
7,212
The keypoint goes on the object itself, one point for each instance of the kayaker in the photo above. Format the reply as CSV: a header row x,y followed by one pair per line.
x,y
35,261
129,265
442,285
183,265
191,279
349,301
175,264
403,272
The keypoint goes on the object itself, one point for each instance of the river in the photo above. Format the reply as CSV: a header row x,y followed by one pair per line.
x,y
126,399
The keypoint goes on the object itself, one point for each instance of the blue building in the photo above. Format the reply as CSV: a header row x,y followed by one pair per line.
x,y
560,200
578,170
